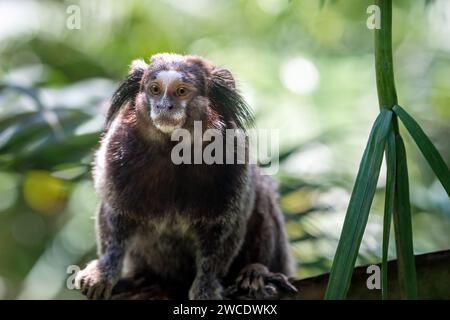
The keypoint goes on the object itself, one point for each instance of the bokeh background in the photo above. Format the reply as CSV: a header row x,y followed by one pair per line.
x,y
305,67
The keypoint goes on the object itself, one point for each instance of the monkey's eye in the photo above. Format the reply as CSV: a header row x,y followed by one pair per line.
x,y
182,91
155,90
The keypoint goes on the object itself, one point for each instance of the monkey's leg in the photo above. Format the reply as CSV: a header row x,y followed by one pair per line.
x,y
256,282
97,280
217,247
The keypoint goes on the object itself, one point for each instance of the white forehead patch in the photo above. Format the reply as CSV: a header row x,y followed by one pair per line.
x,y
167,77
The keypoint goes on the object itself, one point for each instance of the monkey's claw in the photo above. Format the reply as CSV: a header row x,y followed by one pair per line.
x,y
93,283
256,282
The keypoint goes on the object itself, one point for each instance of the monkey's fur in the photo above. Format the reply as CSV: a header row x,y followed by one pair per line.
x,y
197,225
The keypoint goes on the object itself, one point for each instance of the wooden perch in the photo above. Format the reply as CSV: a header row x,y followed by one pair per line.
x,y
433,280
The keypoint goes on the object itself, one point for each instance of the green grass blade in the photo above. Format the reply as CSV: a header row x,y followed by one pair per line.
x,y
426,146
358,209
388,208
403,227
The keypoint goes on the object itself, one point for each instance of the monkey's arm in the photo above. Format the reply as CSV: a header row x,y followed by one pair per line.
x,y
97,280
218,244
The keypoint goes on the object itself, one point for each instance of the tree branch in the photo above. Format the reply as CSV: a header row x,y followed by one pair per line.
x,y
433,280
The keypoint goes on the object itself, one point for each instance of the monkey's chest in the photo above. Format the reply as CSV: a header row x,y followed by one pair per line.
x,y
167,242
159,188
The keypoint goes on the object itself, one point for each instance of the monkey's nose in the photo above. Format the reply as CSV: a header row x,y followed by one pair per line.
x,y
164,106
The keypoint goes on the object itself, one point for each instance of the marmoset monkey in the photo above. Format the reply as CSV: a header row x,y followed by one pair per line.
x,y
203,226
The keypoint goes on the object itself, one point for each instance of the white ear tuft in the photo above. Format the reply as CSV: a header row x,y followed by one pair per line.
x,y
137,64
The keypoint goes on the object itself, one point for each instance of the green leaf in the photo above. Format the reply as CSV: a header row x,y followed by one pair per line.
x,y
22,132
5,122
358,209
427,148
388,208
70,150
403,227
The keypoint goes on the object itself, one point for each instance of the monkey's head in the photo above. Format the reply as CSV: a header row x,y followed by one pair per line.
x,y
173,91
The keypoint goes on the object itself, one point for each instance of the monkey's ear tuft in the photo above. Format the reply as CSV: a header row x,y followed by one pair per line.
x,y
138,64
127,91
226,100
225,76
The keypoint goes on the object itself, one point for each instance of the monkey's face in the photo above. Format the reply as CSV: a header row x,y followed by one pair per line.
x,y
175,91
172,91
168,94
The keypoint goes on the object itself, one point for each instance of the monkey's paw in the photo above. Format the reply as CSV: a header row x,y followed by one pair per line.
x,y
93,283
256,282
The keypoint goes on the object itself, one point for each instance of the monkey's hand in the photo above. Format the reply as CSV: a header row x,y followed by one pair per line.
x,y
94,282
256,282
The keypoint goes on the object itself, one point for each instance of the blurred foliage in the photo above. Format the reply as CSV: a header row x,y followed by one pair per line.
x,y
305,67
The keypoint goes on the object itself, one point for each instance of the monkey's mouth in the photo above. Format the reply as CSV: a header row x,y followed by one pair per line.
x,y
168,123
